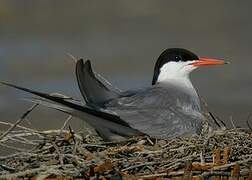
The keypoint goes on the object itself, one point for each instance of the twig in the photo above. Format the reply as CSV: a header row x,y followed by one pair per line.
x,y
21,127
160,161
63,131
12,147
18,121
7,168
72,57
162,175
247,121
182,159
204,175
16,154
59,154
32,171
18,135
215,120
66,121
232,122
202,158
23,141
140,165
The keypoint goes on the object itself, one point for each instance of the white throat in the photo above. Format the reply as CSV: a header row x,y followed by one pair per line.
x,y
177,73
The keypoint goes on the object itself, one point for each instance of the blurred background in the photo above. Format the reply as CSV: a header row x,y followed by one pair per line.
x,y
123,39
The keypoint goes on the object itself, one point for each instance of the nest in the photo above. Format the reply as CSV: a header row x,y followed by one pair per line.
x,y
63,154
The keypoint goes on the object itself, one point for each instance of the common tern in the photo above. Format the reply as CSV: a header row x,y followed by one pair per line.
x,y
170,107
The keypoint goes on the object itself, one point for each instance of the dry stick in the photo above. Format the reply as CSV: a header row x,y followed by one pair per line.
x,y
27,141
32,171
19,121
222,122
66,121
59,154
247,121
159,162
175,173
207,108
205,175
169,143
71,132
26,154
140,165
63,131
46,132
25,134
15,132
188,171
72,57
23,154
12,147
21,127
202,158
250,173
217,120
190,157
22,141
232,122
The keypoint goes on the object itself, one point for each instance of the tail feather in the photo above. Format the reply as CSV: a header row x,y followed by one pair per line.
x,y
86,109
92,89
109,131
110,126
51,105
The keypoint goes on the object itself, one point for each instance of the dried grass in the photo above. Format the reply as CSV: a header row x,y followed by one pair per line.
x,y
63,154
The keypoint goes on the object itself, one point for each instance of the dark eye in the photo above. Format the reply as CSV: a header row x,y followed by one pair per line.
x,y
178,58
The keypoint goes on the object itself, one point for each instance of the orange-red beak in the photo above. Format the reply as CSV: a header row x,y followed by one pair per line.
x,y
204,61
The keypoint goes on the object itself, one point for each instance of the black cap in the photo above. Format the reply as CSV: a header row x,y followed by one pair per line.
x,y
172,55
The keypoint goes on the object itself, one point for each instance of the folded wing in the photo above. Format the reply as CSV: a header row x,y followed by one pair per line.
x,y
94,91
159,112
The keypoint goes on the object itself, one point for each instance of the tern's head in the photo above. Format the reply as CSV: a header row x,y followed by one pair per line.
x,y
176,63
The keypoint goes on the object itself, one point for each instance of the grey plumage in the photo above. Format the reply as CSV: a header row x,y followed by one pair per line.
x,y
165,109
160,111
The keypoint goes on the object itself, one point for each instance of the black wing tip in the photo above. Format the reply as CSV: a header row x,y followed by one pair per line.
x,y
107,116
88,62
3,82
8,84
81,62
88,68
22,88
81,65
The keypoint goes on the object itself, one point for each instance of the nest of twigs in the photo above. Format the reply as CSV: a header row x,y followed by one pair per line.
x,y
63,154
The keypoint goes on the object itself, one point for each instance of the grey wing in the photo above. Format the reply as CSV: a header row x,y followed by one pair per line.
x,y
159,113
95,90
